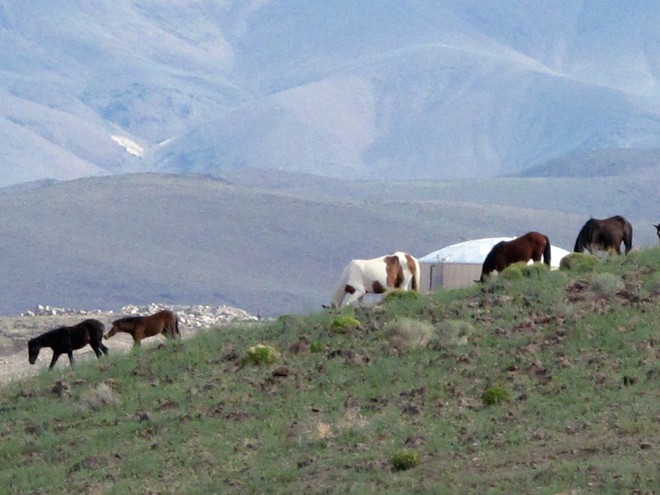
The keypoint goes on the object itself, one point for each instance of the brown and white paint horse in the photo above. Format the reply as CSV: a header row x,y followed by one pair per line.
x,y
376,276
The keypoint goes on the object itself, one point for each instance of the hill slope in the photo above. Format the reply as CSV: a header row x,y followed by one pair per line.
x,y
265,243
538,385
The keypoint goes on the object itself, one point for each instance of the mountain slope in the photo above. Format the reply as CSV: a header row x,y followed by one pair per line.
x,y
624,162
345,89
432,112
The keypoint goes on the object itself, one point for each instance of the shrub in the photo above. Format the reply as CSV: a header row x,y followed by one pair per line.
x,y
535,270
404,460
453,332
261,354
405,334
495,395
579,262
653,283
604,285
316,346
514,271
98,397
344,323
400,295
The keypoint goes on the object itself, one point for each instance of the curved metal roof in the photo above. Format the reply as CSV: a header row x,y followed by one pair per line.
x,y
475,251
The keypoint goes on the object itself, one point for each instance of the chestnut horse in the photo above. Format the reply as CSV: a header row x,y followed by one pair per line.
x,y
376,276
67,339
140,327
604,235
532,246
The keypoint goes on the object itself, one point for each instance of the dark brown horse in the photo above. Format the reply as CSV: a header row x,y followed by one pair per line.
x,y
531,246
604,235
67,339
140,327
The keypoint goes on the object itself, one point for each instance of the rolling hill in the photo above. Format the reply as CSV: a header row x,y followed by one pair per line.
x,y
269,243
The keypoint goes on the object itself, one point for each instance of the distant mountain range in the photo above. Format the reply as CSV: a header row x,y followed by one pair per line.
x,y
417,89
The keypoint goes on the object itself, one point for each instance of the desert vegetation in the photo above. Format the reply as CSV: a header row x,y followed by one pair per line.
x,y
541,383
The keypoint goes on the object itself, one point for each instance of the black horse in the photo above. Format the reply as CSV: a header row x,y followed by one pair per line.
x,y
604,235
657,227
66,339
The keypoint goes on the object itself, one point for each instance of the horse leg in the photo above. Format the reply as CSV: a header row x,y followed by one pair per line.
x,y
172,333
54,360
70,354
98,348
358,295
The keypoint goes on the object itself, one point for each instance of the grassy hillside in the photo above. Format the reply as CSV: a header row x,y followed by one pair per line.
x,y
546,384
266,243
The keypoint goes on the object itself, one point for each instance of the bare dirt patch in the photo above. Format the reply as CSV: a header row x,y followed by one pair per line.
x,y
15,331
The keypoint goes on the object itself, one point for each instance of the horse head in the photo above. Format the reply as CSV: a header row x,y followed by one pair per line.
x,y
116,327
33,351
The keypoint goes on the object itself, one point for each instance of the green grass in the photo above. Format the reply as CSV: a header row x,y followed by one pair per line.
x,y
544,385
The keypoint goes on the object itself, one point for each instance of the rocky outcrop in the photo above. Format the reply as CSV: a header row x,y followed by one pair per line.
x,y
196,316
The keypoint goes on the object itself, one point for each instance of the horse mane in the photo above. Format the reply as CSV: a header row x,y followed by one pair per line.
x,y
585,235
46,335
128,319
489,262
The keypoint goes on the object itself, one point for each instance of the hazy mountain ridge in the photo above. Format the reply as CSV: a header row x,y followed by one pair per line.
x,y
450,89
624,162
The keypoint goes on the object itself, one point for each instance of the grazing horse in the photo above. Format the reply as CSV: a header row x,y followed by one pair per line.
x,y
530,246
604,235
140,327
376,276
657,227
67,339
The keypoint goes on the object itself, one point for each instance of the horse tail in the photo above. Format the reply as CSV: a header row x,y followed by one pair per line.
x,y
416,275
627,235
547,252
176,325
413,267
